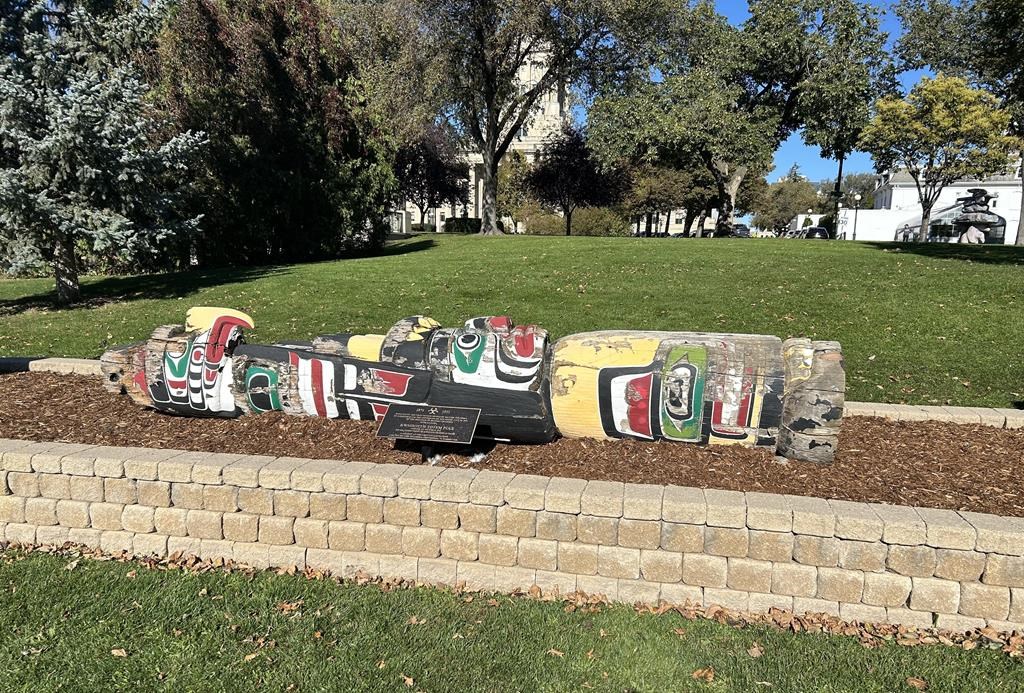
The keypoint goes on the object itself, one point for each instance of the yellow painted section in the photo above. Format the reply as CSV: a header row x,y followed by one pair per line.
x,y
202,318
577,361
365,346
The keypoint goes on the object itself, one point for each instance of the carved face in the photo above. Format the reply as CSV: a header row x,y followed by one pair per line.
x,y
491,352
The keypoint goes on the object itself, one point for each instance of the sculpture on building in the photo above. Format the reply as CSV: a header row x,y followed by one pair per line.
x,y
976,223
673,386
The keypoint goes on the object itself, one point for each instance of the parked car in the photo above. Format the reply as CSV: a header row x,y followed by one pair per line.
x,y
815,232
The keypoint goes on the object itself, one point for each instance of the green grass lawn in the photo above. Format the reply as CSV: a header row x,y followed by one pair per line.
x,y
227,631
919,324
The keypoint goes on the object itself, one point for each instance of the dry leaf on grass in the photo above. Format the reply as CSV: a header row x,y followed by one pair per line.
x,y
251,656
707,675
755,650
118,652
556,653
918,683
679,631
415,620
408,681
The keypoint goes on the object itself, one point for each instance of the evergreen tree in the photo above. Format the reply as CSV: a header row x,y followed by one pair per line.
x,y
85,167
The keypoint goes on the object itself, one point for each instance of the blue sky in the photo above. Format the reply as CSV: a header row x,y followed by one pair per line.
x,y
794,150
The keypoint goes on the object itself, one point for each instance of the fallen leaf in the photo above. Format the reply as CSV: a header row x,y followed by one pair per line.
x,y
918,683
130,574
493,602
381,664
556,653
72,565
603,633
288,607
415,620
118,652
408,680
251,656
755,650
679,631
707,675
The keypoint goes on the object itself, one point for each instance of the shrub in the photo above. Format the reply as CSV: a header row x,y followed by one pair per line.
x,y
422,228
586,221
462,225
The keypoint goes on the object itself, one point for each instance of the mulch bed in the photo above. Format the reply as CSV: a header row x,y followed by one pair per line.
x,y
932,464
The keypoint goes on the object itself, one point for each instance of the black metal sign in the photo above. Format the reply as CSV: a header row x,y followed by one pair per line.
x,y
430,423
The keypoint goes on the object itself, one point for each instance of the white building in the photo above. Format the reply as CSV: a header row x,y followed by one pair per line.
x,y
897,209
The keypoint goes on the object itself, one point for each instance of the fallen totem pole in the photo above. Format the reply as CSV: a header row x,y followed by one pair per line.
x,y
673,386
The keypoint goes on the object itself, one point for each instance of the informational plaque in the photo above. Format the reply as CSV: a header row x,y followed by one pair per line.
x,y
430,423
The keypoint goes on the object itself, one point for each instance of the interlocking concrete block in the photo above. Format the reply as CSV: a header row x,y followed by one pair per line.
x,y
204,524
727,599
328,506
591,529
488,487
598,586
70,513
361,563
555,584
480,518
856,521
241,527
642,501
422,542
863,555
1014,417
402,511
769,511
563,495
958,624
258,501
382,480
603,498
116,541
863,613
514,579
144,463
497,549
749,575
437,571
12,509
106,460
18,456
84,488
277,474
106,516
638,592
963,566
149,545
682,538
839,585
85,537
639,534
908,617
900,524
726,541
399,567
49,461
278,531
189,496
886,589
661,566
516,522
945,529
933,594
121,490
997,534
557,526
770,546
41,511
155,494
681,595
915,561
311,533
291,503
526,491
1007,571
416,480
310,476
539,554
460,545
439,514
805,605
384,539
452,485
24,484
579,559
984,601
346,536
475,577
25,535
705,571
794,579
725,508
684,505
251,554
170,521
815,550
220,498
345,478
210,469
56,486
179,467
367,509
138,519
762,603
214,549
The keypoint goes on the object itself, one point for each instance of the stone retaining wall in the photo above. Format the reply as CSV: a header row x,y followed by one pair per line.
x,y
500,531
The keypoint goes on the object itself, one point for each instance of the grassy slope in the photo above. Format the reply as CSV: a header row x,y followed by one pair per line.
x,y
185,631
920,324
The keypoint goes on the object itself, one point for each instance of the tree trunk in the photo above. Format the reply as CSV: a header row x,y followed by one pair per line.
x,y
700,222
1020,222
668,222
567,213
489,206
728,185
647,225
65,269
926,218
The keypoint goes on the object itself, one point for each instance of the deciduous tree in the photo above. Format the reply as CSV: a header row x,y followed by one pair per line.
x,y
431,171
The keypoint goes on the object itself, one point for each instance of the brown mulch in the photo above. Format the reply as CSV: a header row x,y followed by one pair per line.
x,y
932,464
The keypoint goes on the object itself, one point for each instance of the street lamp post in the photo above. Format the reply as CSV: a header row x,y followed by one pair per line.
x,y
856,209
839,210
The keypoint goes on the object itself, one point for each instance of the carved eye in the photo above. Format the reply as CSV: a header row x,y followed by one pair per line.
x,y
468,341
